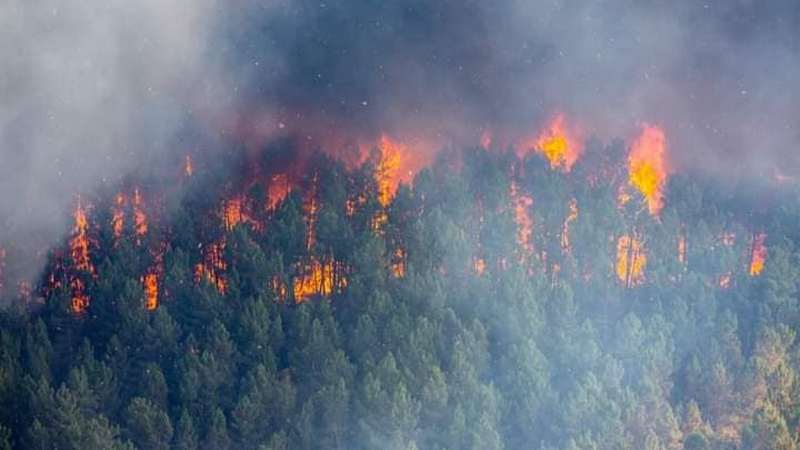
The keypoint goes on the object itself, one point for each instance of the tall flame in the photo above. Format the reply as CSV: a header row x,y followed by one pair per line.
x,y
387,172
558,144
631,260
758,254
79,251
150,282
647,166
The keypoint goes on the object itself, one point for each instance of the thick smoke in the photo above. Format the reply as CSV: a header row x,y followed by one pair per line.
x,y
93,90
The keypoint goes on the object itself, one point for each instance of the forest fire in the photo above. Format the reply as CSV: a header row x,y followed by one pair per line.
x,y
758,254
522,203
558,144
682,248
631,260
647,166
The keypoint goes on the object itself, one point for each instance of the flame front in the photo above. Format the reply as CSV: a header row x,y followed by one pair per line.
x,y
558,144
631,260
758,254
647,166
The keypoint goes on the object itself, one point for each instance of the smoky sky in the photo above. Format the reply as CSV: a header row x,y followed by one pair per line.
x,y
91,91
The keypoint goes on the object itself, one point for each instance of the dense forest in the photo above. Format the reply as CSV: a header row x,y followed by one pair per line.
x,y
496,301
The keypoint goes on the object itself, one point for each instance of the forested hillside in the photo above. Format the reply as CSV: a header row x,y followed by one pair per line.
x,y
497,301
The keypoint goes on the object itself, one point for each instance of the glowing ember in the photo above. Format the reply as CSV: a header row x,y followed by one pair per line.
x,y
118,215
728,239
522,203
486,139
80,301
279,287
758,254
558,145
647,166
139,216
398,265
725,280
150,282
571,217
682,248
25,290
631,260
188,168
479,266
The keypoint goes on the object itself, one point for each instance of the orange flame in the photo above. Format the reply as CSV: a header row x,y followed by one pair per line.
x,y
398,265
318,278
277,190
387,172
522,202
682,248
631,260
558,144
150,282
188,167
79,244
758,254
571,217
118,215
647,166
139,216
213,267
479,266
231,213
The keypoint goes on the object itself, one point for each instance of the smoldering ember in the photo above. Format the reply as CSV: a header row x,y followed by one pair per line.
x,y
286,224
